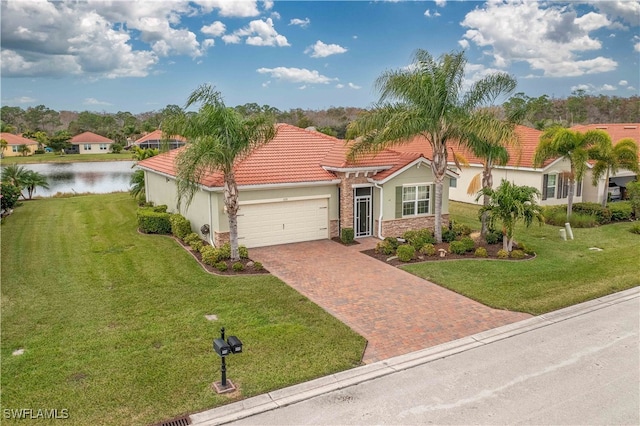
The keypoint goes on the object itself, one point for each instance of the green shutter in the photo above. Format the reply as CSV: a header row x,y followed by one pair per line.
x,y
545,182
398,202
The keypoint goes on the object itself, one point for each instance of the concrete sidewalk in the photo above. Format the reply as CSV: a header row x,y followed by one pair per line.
x,y
305,391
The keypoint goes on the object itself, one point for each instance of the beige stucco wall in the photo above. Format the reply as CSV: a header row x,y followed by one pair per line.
x,y
95,148
9,151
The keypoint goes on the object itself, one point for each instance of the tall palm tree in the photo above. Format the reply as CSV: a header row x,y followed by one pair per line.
x,y
425,99
609,159
217,138
573,146
137,189
4,144
33,180
510,203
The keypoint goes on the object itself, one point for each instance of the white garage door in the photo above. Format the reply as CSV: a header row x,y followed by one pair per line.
x,y
267,224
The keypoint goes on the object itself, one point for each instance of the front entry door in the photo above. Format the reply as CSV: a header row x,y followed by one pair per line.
x,y
362,218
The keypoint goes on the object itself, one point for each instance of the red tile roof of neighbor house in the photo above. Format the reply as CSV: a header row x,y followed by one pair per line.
x,y
617,131
156,135
89,137
16,140
295,155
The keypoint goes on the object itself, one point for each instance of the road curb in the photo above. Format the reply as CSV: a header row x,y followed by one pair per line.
x,y
303,391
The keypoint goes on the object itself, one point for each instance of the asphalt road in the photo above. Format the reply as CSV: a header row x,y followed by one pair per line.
x,y
581,371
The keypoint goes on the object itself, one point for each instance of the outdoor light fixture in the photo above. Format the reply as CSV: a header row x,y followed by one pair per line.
x,y
205,229
223,348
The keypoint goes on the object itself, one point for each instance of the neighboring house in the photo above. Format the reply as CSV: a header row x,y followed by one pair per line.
x,y
89,143
617,182
154,140
300,187
14,142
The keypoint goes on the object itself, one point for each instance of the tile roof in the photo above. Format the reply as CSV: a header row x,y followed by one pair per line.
x,y
295,155
616,131
89,137
16,140
156,135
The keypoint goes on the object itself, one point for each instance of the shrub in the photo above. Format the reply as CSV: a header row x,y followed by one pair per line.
x,y
347,235
493,237
10,195
448,236
468,242
196,245
151,222
620,211
602,214
517,254
39,151
633,192
428,250
579,220
162,208
393,242
635,229
209,255
238,266
526,250
418,238
191,238
243,251
503,254
461,229
406,252
385,247
457,247
180,226
481,252
225,251
258,266
222,266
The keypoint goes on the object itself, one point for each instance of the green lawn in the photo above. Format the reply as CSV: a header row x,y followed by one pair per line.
x,y
68,158
562,274
113,322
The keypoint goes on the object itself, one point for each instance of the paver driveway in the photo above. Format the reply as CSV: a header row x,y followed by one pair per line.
x,y
395,311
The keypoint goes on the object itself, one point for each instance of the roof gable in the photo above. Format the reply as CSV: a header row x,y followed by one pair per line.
x,y
16,139
89,137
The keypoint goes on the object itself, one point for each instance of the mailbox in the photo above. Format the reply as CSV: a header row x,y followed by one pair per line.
x,y
235,344
221,347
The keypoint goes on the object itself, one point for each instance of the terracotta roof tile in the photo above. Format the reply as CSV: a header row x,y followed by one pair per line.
x,y
156,135
616,131
16,140
89,137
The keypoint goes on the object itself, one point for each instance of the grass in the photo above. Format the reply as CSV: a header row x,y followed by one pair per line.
x,y
68,158
562,274
113,322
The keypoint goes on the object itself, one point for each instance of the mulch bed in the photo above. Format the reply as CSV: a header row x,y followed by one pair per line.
x,y
338,240
492,253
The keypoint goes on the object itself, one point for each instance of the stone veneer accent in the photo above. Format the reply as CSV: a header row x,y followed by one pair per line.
x,y
397,227
346,197
219,238
333,229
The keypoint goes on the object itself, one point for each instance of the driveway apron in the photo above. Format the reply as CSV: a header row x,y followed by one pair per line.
x,y
395,311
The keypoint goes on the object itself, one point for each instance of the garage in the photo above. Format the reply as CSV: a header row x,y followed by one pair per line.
x,y
287,221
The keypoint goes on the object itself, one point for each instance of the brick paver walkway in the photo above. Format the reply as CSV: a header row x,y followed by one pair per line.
x,y
395,311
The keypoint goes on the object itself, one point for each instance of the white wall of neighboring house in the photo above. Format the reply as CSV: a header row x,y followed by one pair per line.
x,y
93,148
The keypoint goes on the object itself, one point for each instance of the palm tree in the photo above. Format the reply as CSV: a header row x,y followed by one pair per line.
x,y
24,150
573,146
218,137
425,99
14,175
509,204
610,158
4,144
32,180
137,189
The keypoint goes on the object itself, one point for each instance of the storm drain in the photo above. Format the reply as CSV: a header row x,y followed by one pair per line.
x,y
180,421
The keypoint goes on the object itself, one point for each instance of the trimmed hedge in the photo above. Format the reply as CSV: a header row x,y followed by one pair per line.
x,y
457,247
405,252
180,226
347,235
418,238
153,222
603,215
620,211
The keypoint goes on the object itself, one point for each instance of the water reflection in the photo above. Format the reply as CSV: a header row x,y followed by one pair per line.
x,y
94,177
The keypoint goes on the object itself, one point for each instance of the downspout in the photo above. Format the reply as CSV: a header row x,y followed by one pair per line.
x,y
381,209
210,222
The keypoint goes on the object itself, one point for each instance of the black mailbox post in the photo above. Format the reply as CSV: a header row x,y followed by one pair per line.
x,y
233,345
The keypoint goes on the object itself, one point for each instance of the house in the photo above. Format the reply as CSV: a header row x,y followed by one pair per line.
x,y
550,179
300,187
14,144
89,143
154,140
619,180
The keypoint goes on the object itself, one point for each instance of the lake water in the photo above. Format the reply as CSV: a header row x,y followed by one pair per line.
x,y
95,177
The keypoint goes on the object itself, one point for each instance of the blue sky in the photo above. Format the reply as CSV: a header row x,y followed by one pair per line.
x,y
141,56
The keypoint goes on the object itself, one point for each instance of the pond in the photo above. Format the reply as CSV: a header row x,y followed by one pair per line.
x,y
95,177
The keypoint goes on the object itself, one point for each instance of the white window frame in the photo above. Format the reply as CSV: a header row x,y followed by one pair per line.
x,y
15,148
416,200
87,147
104,147
555,185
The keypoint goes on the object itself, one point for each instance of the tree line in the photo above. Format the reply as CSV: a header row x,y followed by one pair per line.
x,y
124,127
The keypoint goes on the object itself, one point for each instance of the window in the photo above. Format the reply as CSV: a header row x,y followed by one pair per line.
x,y
104,147
415,200
453,183
548,186
15,148
87,147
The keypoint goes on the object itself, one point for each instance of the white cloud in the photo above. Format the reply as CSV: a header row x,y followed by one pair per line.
x,y
608,87
464,44
627,11
590,88
275,15
550,38
631,89
353,86
258,33
302,87
296,75
94,101
207,43
441,3
339,86
636,47
232,9
266,83
216,29
268,4
303,23
623,83
322,50
20,100
428,13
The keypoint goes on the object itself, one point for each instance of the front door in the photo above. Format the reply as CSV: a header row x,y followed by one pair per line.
x,y
362,217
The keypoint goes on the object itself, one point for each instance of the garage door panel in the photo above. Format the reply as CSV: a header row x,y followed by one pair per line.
x,y
283,222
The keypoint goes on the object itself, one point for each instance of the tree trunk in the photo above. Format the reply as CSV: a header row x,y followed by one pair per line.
x,y
231,203
487,182
605,195
437,231
439,169
505,242
572,183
